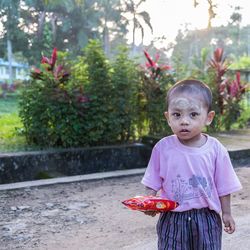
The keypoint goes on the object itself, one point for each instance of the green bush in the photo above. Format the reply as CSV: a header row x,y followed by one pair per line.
x,y
243,120
111,113
95,106
155,81
98,122
51,110
125,80
99,103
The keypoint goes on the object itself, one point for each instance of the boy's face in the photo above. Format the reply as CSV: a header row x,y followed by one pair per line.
x,y
187,116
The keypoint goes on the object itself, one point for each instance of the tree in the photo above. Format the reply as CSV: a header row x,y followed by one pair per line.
x,y
211,11
138,17
236,19
66,25
112,23
232,38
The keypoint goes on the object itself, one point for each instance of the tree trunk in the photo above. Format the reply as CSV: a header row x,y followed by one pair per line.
x,y
248,41
106,40
53,24
41,21
133,42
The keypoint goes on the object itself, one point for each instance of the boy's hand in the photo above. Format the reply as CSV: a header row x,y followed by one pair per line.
x,y
151,213
229,224
150,191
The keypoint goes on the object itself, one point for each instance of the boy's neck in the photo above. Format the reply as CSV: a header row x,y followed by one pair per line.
x,y
196,142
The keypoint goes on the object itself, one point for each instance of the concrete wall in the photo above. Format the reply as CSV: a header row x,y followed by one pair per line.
x,y
16,167
26,166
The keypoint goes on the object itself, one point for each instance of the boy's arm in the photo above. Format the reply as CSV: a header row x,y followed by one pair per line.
x,y
150,191
229,224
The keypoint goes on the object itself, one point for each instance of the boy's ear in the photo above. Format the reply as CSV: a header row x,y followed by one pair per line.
x,y
166,114
210,117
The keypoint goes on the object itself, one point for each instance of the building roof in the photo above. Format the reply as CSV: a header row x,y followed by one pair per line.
x,y
14,64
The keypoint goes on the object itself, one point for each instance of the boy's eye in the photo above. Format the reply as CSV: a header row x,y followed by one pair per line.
x,y
176,114
194,114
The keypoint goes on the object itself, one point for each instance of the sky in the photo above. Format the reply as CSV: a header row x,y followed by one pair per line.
x,y
168,16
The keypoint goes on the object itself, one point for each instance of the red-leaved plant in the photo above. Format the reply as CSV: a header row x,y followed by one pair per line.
x,y
57,76
229,92
57,72
155,71
233,89
218,63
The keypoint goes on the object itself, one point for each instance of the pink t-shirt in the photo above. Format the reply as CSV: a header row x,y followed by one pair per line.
x,y
194,177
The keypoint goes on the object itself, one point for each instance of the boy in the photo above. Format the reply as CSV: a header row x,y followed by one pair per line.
x,y
195,170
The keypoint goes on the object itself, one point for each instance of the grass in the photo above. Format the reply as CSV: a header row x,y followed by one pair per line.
x,y
8,105
10,139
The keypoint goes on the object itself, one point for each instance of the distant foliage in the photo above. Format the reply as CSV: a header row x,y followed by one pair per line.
x,y
242,63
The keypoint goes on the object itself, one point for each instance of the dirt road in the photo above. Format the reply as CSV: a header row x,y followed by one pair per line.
x,y
90,216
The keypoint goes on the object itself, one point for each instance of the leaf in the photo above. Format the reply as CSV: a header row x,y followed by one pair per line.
x,y
146,18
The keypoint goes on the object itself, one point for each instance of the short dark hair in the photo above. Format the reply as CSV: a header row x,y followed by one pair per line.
x,y
192,86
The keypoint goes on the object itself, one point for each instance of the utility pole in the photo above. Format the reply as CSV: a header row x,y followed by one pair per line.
x,y
248,41
9,50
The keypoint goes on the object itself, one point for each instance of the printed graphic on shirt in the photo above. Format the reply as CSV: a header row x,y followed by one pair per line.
x,y
194,187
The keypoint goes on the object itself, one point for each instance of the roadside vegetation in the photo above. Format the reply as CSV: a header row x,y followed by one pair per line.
x,y
93,101
85,89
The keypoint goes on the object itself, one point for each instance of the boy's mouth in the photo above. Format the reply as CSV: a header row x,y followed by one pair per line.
x,y
184,131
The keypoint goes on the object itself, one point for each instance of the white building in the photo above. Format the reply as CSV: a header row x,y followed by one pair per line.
x,y
20,71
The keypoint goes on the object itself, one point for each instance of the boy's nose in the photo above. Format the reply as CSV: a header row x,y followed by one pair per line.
x,y
184,121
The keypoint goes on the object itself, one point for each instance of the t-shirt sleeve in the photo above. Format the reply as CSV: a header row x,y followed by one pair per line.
x,y
152,177
226,180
